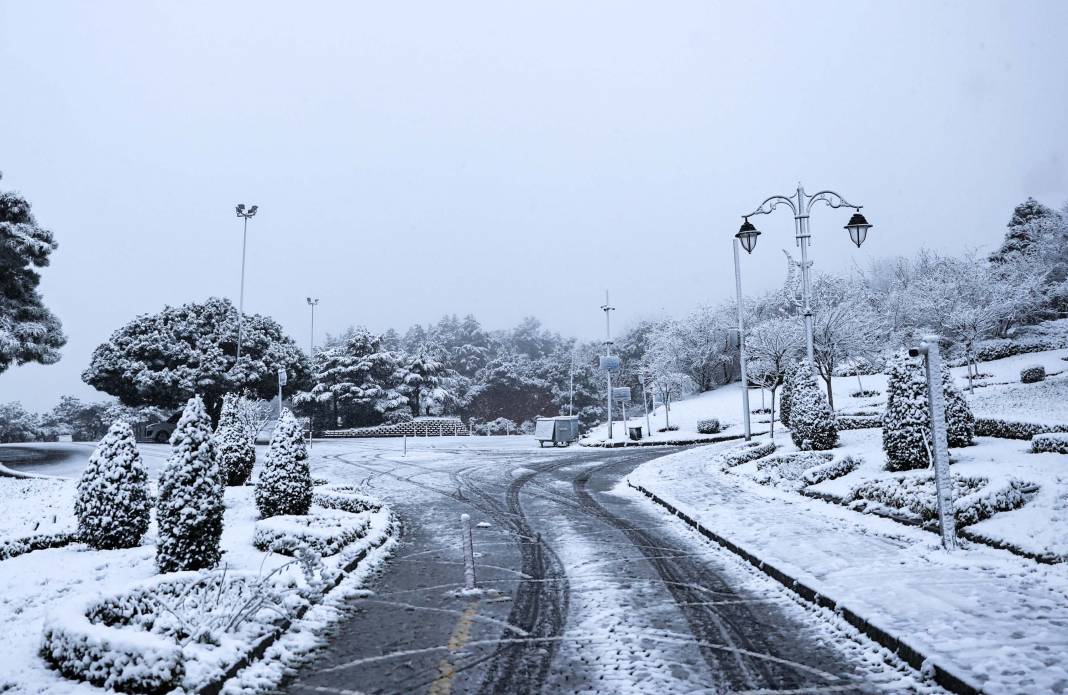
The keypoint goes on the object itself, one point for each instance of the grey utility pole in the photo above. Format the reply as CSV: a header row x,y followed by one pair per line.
x,y
311,356
245,215
608,353
741,342
940,441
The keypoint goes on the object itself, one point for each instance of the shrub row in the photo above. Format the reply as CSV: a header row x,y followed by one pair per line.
x,y
1008,429
347,498
830,470
786,470
750,451
975,498
325,532
13,547
1000,348
859,422
1056,442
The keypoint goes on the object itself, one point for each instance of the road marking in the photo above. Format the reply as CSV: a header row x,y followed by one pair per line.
x,y
442,685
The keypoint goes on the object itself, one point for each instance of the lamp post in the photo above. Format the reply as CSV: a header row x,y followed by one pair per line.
x,y
311,356
801,204
245,215
748,241
608,353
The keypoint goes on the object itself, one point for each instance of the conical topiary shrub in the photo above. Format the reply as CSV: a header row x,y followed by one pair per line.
x,y
906,423
812,423
113,505
960,422
787,397
190,507
285,485
236,452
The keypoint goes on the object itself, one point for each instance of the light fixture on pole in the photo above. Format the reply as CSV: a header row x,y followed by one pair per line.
x,y
801,205
246,215
311,356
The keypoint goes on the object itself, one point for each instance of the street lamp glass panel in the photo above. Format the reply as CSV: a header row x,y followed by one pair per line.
x,y
858,228
747,234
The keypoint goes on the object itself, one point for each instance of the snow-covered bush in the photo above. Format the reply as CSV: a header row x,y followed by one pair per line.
x,y
237,455
960,422
830,470
669,428
743,453
812,423
190,506
1032,374
285,486
786,470
13,547
1056,442
786,400
113,504
346,498
865,393
325,532
499,426
974,498
858,422
906,422
1008,429
709,425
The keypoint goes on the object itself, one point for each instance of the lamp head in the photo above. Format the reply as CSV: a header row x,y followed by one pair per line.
x,y
858,228
747,235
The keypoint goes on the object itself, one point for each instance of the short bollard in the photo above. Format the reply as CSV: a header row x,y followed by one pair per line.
x,y
469,553
405,445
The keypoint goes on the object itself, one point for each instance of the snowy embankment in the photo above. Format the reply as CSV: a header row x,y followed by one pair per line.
x,y
78,601
997,620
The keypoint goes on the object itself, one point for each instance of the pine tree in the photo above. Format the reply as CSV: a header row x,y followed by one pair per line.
x,y
812,422
285,485
190,507
236,452
906,423
112,504
787,398
960,422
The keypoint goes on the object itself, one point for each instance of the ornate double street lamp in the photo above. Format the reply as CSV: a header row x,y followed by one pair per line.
x,y
246,215
801,204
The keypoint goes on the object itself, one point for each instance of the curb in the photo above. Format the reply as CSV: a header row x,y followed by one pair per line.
x,y
668,442
215,685
906,652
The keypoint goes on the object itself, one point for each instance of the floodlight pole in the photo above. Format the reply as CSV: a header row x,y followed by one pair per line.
x,y
801,204
608,352
245,215
571,387
311,356
741,343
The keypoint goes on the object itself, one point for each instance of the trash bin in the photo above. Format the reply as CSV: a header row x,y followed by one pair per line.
x,y
635,433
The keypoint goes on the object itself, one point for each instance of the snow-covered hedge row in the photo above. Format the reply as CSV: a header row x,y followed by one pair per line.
x,y
786,470
750,451
325,532
709,425
419,427
347,498
1032,374
975,498
1056,442
830,470
859,422
1000,348
1008,429
13,547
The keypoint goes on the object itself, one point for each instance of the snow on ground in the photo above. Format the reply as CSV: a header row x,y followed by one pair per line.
x,y
999,620
49,511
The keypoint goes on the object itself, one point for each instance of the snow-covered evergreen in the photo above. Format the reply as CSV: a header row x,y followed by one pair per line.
x,y
786,400
190,506
906,423
113,505
285,485
236,452
960,422
812,423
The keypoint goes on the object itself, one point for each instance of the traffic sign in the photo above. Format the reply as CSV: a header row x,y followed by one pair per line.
x,y
621,394
609,363
282,376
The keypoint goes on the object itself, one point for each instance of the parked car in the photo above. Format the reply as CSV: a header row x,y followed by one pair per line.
x,y
161,432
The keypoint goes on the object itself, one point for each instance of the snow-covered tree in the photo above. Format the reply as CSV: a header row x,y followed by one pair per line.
x,y
234,447
166,358
960,422
113,505
906,422
772,345
190,505
285,485
843,327
1023,229
18,424
786,400
812,422
424,381
704,346
29,332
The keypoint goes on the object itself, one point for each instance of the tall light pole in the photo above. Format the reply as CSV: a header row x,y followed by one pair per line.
x,y
801,204
571,385
608,353
246,215
311,356
741,335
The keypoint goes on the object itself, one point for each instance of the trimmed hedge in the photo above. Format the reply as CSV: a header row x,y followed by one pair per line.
x,y
1055,442
830,470
347,498
1007,429
975,498
1000,348
325,532
859,422
750,451
709,425
1032,374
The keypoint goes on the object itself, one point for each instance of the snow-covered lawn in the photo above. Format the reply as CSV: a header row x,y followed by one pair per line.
x,y
999,620
35,586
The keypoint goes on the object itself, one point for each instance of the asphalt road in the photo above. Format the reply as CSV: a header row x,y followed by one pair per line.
x,y
584,590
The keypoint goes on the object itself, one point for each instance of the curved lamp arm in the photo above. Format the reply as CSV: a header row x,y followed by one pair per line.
x,y
831,198
771,203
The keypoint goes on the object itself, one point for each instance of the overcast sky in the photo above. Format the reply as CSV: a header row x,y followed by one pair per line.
x,y
416,159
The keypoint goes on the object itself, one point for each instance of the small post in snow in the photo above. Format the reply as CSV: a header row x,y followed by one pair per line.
x,y
406,445
469,553
940,441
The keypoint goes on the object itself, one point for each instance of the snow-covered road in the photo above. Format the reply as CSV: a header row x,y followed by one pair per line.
x,y
584,590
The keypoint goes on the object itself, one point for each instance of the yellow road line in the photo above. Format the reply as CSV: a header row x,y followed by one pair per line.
x,y
442,685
